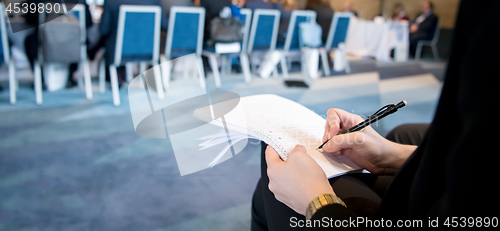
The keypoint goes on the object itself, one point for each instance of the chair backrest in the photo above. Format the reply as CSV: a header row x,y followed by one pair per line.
x,y
185,31
246,19
338,29
264,30
79,12
138,35
435,38
292,36
4,43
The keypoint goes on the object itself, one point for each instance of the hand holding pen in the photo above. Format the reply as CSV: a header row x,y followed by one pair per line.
x,y
381,113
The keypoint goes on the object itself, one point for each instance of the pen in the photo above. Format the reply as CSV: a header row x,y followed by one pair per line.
x,y
381,113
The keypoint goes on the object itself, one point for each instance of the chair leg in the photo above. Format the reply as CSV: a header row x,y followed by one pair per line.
x,y
38,83
129,71
284,67
202,73
113,75
102,76
80,78
346,63
245,66
88,81
324,61
418,51
12,82
158,80
143,66
275,73
229,64
435,52
166,68
212,59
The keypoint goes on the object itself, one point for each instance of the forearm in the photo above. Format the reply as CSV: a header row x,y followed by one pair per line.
x,y
396,156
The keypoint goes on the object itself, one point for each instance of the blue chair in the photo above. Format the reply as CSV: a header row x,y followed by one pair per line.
x,y
5,56
337,35
137,40
184,36
211,54
292,45
264,31
84,66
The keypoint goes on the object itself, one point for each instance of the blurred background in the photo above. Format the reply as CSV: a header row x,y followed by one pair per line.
x,y
70,158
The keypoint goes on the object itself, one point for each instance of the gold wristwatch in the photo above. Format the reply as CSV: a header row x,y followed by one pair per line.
x,y
320,202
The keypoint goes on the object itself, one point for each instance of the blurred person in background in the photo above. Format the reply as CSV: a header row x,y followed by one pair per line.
x,y
324,15
212,10
259,4
31,41
398,13
424,26
285,7
348,8
235,6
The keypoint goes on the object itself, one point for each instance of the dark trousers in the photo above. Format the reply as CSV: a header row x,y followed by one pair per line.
x,y
361,192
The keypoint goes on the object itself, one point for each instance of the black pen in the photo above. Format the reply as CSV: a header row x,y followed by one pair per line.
x,y
381,113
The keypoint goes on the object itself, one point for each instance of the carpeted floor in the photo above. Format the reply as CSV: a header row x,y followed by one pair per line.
x,y
73,164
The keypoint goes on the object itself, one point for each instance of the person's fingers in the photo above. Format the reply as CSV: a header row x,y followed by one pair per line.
x,y
332,125
272,156
340,142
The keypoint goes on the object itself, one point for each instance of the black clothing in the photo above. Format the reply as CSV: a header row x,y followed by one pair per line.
x,y
445,177
258,4
212,10
324,15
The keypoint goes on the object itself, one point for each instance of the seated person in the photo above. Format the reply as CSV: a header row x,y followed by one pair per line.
x,y
324,15
424,26
348,8
285,7
236,6
259,4
398,13
448,175
212,10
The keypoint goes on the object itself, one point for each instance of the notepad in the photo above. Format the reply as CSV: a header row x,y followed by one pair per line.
x,y
282,124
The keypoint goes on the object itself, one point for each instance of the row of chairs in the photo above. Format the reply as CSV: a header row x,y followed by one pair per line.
x,y
138,40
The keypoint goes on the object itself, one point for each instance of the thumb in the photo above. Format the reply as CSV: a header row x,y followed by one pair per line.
x,y
298,149
340,142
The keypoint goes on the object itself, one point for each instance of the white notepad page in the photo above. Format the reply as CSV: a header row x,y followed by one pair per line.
x,y
283,124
